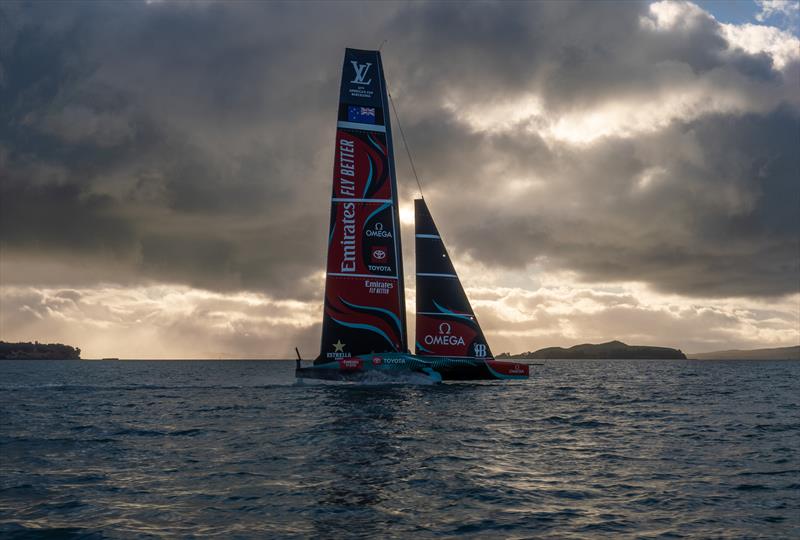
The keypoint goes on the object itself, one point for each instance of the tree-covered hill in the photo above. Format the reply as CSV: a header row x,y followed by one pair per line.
x,y
38,351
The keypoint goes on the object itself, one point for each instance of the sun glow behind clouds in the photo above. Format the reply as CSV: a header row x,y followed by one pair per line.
x,y
407,213
623,118
519,310
520,319
499,116
532,308
675,93
626,117
158,321
639,115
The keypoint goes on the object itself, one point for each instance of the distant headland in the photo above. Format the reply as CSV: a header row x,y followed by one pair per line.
x,y
603,351
38,351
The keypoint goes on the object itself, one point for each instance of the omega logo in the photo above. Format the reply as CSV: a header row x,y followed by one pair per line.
x,y
444,337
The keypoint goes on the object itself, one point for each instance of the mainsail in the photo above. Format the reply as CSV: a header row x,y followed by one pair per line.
x,y
446,324
364,292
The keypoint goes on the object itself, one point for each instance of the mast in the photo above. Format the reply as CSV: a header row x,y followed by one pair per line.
x,y
396,208
446,323
364,288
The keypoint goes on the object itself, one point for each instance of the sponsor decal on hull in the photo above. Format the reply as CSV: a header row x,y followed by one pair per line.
x,y
350,364
510,369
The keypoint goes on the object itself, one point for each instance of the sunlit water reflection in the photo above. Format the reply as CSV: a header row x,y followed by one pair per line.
x,y
584,449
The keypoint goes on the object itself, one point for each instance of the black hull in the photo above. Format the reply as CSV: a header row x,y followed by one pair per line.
x,y
404,367
476,372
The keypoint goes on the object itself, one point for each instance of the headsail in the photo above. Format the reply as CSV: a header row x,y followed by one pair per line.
x,y
446,324
364,292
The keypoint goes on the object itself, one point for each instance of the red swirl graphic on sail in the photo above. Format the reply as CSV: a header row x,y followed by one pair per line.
x,y
364,311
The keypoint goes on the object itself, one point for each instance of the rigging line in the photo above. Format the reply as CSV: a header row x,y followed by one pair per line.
x,y
405,144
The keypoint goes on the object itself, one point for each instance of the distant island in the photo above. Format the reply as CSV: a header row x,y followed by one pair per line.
x,y
602,351
38,351
779,353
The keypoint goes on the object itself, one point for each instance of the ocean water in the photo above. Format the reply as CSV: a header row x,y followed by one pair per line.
x,y
236,449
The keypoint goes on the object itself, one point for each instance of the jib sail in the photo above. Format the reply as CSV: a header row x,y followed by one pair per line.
x,y
364,292
446,324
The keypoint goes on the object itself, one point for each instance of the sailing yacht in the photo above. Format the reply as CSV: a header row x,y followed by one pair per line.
x,y
364,320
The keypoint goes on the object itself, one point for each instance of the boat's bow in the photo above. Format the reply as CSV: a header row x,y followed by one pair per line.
x,y
387,368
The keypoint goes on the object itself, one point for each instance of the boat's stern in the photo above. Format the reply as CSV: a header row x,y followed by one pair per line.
x,y
508,370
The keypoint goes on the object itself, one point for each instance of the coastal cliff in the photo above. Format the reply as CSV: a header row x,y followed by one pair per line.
x,y
38,351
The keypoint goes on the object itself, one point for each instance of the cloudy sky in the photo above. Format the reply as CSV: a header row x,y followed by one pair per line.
x,y
599,170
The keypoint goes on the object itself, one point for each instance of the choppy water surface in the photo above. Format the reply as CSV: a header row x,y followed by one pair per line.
x,y
639,449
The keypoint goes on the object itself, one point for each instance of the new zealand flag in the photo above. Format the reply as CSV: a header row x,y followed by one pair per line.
x,y
361,115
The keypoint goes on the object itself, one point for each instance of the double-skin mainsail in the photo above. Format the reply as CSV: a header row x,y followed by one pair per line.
x,y
364,293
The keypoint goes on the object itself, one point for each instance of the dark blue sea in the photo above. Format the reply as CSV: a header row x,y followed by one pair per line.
x,y
236,449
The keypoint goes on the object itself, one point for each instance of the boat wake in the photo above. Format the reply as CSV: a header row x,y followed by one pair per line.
x,y
375,378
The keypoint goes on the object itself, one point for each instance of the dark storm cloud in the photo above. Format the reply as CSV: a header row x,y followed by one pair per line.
x,y
58,216
191,142
724,226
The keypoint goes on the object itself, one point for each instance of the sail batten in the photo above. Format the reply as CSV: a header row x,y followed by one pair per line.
x,y
364,292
